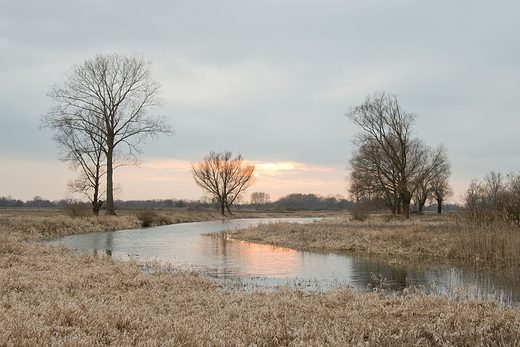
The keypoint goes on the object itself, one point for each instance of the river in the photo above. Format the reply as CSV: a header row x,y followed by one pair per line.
x,y
185,246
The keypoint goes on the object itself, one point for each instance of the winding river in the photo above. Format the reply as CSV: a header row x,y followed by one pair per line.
x,y
186,246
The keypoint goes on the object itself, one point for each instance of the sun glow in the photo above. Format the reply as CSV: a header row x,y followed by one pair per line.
x,y
284,168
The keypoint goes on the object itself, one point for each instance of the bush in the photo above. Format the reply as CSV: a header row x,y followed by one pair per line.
x,y
360,211
147,217
78,210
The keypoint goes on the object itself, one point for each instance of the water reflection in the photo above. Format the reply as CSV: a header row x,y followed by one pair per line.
x,y
184,245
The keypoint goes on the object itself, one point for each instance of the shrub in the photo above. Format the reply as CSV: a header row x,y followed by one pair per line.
x,y
360,211
78,210
147,217
494,199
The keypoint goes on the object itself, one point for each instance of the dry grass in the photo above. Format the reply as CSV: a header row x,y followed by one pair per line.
x,y
427,237
53,296
37,226
55,222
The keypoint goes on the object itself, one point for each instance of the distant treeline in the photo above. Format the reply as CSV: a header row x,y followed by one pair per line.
x,y
288,202
291,202
35,202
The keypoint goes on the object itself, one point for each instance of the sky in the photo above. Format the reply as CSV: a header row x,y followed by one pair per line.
x,y
271,80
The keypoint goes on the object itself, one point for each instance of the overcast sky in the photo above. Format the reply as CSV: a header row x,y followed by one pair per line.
x,y
271,80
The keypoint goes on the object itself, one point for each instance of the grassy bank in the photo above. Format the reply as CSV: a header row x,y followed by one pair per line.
x,y
431,237
53,296
48,223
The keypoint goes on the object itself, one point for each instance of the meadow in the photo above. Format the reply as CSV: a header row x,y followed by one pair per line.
x,y
55,296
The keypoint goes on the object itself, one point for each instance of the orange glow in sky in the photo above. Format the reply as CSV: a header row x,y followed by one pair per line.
x,y
164,179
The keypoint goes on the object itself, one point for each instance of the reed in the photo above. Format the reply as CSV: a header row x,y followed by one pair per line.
x,y
497,243
441,238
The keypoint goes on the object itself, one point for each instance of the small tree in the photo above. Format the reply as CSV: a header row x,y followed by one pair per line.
x,y
223,177
260,198
441,190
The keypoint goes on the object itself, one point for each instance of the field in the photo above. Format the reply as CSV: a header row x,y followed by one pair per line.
x,y
54,296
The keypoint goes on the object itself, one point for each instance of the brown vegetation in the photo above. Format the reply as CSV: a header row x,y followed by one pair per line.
x,y
438,237
48,223
54,296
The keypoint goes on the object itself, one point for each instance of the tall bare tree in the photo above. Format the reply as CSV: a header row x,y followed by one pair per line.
x,y
388,158
109,98
224,177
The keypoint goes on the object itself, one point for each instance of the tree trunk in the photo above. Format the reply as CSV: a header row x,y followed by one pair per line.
x,y
228,208
96,207
110,185
422,202
222,207
407,198
439,206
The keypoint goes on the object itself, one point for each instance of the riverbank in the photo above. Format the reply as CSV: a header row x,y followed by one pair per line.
x,y
54,296
49,223
429,237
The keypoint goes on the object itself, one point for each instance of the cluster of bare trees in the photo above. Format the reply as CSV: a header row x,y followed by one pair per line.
x,y
297,201
100,117
223,177
494,198
391,166
260,198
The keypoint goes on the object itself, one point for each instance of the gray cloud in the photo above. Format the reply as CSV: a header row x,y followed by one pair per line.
x,y
273,79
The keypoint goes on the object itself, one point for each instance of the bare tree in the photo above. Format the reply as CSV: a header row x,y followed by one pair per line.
x,y
388,158
433,184
224,177
109,98
260,198
372,179
441,190
494,198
